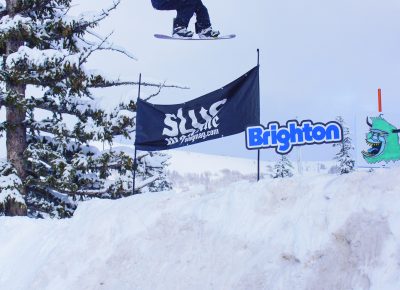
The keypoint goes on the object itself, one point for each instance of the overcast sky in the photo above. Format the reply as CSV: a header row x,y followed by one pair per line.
x,y
319,59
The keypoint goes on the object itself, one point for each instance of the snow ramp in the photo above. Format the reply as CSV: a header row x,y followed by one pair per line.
x,y
314,232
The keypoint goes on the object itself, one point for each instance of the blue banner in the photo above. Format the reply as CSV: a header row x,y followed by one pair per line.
x,y
221,113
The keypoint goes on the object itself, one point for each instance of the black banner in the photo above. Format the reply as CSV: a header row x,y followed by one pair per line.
x,y
222,113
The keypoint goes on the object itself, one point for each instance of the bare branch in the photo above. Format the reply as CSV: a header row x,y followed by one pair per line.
x,y
102,15
105,45
106,12
130,83
156,93
85,56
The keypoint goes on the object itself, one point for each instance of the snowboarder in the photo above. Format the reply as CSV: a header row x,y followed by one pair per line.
x,y
185,10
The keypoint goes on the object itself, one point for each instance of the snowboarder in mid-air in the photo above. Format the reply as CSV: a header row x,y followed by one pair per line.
x,y
185,11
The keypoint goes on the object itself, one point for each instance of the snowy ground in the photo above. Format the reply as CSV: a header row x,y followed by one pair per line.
x,y
310,232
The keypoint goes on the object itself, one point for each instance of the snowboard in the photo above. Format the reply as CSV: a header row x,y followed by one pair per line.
x,y
163,36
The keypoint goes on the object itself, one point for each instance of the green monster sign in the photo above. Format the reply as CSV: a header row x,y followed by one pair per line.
x,y
383,139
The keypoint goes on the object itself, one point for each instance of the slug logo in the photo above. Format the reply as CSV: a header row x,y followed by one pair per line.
x,y
283,138
187,127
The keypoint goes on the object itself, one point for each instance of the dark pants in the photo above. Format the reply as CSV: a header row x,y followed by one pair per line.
x,y
185,11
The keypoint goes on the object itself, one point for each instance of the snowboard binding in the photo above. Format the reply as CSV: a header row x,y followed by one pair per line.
x,y
179,31
205,33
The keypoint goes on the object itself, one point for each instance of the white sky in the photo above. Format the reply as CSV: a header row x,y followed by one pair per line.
x,y
319,59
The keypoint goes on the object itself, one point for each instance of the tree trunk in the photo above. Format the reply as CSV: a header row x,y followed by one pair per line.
x,y
16,130
13,208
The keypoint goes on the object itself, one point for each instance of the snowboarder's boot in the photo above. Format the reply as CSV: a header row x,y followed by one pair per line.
x,y
180,31
207,32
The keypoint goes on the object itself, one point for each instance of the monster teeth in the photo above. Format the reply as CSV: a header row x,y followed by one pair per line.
x,y
365,153
372,144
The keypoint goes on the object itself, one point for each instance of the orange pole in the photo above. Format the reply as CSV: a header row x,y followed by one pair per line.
x,y
380,100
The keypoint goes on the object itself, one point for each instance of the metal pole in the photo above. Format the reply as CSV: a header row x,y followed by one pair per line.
x,y
379,100
134,159
258,165
134,171
259,151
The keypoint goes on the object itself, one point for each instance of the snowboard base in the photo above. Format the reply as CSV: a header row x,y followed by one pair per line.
x,y
163,36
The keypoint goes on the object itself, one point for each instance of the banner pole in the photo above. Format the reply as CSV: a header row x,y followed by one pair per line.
x,y
259,151
134,158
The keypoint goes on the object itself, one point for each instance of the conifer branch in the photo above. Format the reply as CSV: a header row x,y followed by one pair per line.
x,y
100,192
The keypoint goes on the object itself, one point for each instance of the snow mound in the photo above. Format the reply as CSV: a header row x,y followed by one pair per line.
x,y
312,232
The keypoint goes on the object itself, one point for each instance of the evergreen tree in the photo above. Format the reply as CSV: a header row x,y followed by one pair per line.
x,y
51,164
283,168
346,163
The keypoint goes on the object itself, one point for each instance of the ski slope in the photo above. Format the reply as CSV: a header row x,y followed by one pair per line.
x,y
310,232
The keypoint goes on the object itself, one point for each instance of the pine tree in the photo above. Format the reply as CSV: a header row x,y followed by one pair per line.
x,y
346,163
51,162
283,168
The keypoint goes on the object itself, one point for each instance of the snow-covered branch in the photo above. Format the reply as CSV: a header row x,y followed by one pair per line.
x,y
82,132
146,182
105,191
117,83
97,17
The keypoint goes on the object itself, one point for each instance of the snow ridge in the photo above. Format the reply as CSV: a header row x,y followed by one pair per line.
x,y
312,232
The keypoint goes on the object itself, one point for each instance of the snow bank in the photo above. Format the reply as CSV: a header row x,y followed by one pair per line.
x,y
324,232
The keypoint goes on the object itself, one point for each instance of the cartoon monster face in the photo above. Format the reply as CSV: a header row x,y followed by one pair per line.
x,y
376,139
383,142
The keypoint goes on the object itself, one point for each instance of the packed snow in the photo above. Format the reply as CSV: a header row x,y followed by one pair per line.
x,y
319,231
